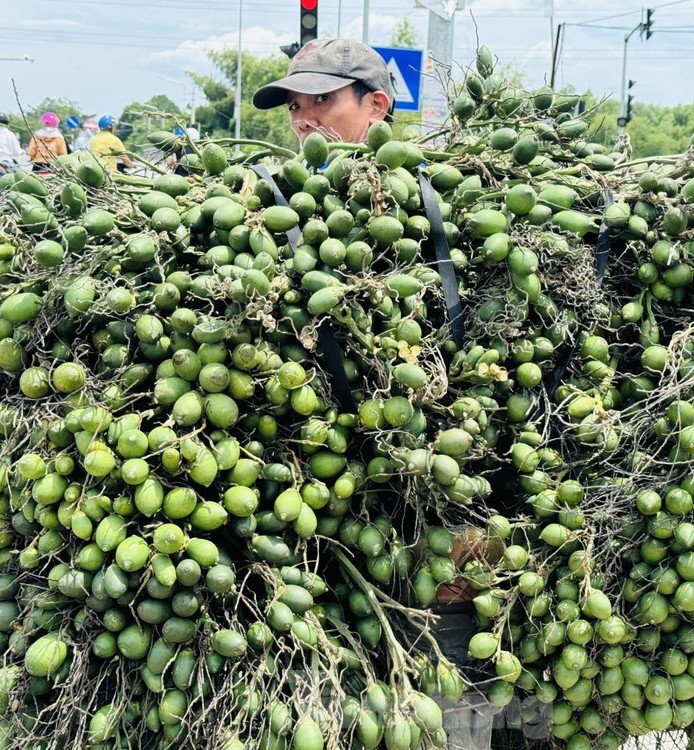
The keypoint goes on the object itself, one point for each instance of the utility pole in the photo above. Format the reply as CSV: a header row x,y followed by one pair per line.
x,y
192,107
438,59
644,26
237,93
549,12
440,27
555,54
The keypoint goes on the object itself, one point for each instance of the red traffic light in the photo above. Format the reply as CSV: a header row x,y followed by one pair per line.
x,y
309,20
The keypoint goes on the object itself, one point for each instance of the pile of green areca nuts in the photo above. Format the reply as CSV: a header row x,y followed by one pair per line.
x,y
251,435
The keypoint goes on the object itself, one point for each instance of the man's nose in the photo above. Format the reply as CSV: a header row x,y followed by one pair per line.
x,y
308,116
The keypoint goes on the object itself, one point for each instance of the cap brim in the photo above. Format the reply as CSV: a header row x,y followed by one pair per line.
x,y
275,93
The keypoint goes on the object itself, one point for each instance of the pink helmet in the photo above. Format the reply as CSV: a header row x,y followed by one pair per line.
x,y
50,120
90,125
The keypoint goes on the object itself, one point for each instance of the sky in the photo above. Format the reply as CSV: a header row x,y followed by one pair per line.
x,y
105,54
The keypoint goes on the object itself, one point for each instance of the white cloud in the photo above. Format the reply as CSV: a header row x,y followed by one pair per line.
x,y
507,7
263,41
518,32
538,51
258,40
380,28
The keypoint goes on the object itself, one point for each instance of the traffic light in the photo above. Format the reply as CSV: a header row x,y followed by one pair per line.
x,y
309,21
628,114
649,23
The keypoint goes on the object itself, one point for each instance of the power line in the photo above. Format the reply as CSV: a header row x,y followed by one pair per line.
x,y
106,39
597,26
73,37
59,36
608,18
674,2
101,34
212,5
629,13
220,5
574,56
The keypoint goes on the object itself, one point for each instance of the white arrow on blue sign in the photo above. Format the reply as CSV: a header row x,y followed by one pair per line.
x,y
405,68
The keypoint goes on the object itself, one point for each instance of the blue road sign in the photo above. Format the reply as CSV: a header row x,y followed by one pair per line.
x,y
72,122
405,67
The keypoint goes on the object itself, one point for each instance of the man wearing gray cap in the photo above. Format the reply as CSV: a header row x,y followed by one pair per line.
x,y
337,87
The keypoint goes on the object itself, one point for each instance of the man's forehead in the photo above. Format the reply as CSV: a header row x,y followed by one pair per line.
x,y
293,96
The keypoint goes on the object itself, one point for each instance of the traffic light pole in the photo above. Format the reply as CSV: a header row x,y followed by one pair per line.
x,y
623,98
622,120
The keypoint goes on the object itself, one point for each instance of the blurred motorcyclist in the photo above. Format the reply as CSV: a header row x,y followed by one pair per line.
x,y
172,161
73,125
10,149
47,143
84,137
107,145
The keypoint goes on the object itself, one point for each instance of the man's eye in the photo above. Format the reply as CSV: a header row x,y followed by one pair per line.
x,y
322,97
293,106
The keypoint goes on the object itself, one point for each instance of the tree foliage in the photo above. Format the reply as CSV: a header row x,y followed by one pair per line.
x,y
404,35
654,130
29,120
661,130
138,119
217,117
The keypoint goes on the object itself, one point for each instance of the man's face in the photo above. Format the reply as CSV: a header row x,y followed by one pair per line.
x,y
338,115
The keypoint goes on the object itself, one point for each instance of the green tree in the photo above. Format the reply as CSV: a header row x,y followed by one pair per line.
x,y
138,119
216,118
602,115
404,35
656,130
29,120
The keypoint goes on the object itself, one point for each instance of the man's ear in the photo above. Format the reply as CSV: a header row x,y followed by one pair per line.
x,y
380,103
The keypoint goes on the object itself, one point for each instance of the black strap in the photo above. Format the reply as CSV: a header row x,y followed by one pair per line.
x,y
449,283
602,253
332,355
602,257
293,234
554,378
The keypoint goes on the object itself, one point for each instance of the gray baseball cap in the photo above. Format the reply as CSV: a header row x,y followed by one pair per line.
x,y
325,65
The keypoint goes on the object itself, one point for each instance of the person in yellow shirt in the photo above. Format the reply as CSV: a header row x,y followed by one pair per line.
x,y
107,145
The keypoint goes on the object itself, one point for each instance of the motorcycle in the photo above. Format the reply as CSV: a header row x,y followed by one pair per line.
x,y
8,166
